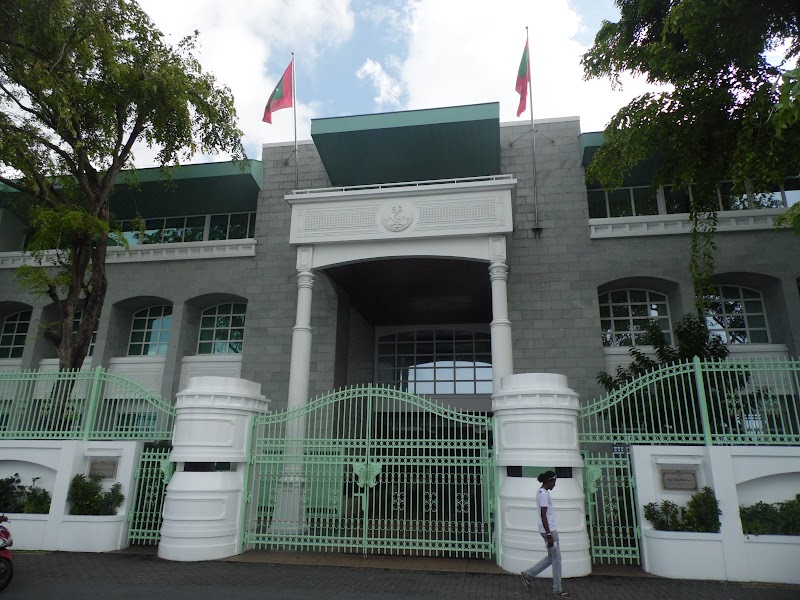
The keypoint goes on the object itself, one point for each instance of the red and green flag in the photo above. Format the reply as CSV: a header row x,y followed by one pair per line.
x,y
523,79
281,96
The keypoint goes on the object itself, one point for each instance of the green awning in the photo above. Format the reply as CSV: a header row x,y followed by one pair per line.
x,y
221,187
414,145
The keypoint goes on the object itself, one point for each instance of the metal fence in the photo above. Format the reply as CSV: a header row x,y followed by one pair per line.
x,y
741,402
372,470
74,404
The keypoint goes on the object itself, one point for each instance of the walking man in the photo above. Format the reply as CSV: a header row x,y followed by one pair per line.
x,y
547,529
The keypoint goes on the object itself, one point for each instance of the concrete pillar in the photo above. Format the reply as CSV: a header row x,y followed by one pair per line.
x,y
502,354
289,516
202,509
536,417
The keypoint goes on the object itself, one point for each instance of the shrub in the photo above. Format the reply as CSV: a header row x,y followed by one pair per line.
x,y
37,500
86,496
780,518
11,494
701,515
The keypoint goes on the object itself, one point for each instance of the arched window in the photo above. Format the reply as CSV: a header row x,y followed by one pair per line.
x,y
736,315
624,314
12,336
222,329
436,361
150,331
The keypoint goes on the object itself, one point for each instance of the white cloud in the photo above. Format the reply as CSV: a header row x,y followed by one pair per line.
x,y
467,52
388,89
239,39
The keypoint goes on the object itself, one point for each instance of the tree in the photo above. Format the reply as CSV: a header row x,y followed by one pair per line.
x,y
81,82
660,406
725,113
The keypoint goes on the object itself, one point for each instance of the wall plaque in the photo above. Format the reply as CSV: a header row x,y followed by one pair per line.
x,y
679,479
105,467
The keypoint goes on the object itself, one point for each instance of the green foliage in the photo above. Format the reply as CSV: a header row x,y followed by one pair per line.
x,y
791,218
781,518
86,496
665,516
701,514
17,498
37,500
81,82
722,113
11,494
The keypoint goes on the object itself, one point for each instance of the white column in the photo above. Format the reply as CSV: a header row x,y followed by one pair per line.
x,y
502,354
289,515
536,426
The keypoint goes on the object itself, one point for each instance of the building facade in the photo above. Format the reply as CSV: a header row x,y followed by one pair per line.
x,y
210,284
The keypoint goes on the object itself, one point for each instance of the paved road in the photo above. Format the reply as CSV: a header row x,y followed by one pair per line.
x,y
71,576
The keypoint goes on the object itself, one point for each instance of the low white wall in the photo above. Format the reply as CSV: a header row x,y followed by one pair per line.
x,y
57,462
739,475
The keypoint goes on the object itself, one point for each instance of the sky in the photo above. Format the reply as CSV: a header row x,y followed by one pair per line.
x,y
365,56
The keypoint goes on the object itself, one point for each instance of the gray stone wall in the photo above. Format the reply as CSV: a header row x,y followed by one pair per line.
x,y
555,273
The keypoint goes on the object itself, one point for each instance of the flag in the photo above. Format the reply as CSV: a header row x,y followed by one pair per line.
x,y
523,78
281,96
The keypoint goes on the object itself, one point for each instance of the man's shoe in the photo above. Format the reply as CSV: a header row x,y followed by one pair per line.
x,y
526,581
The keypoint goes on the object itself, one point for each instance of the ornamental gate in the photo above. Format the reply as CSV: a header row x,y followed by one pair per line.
x,y
150,488
372,470
611,508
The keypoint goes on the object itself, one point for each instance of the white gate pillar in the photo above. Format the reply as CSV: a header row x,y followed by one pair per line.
x,y
536,426
502,354
202,508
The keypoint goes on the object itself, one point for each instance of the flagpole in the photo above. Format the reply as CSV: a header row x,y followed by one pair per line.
x,y
294,110
533,135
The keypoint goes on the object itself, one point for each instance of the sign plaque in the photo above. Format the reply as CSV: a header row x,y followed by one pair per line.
x,y
679,479
106,468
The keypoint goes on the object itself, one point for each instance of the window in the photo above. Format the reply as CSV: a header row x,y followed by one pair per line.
x,y
222,329
436,361
197,228
136,422
640,201
623,202
736,315
625,313
13,334
150,331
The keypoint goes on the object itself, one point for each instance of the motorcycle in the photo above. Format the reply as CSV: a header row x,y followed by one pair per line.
x,y
6,559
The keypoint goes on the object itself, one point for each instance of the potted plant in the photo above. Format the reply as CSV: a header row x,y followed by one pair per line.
x,y
685,542
93,524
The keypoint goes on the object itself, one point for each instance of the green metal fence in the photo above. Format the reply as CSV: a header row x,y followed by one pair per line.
x,y
744,402
150,488
372,470
611,508
93,404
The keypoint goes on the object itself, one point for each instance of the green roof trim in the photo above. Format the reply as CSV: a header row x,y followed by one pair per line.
x,y
406,118
198,171
412,145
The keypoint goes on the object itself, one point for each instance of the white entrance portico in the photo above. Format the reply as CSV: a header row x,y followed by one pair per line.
x,y
458,219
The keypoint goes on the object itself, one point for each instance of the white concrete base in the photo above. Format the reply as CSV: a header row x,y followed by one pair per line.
x,y
201,516
27,531
536,417
93,534
684,555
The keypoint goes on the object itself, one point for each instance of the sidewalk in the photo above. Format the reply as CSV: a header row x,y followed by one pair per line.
x,y
141,575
